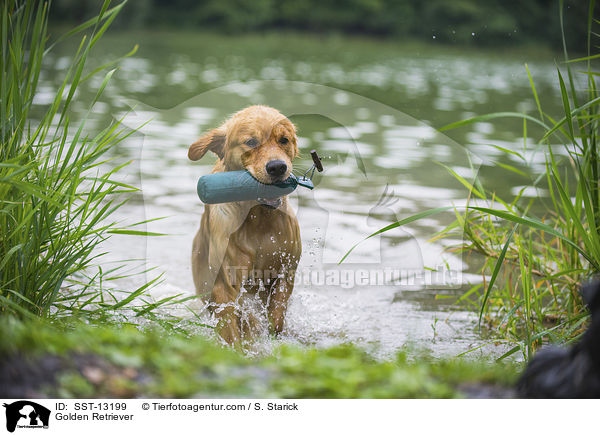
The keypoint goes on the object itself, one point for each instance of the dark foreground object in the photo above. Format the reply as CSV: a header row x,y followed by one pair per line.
x,y
569,373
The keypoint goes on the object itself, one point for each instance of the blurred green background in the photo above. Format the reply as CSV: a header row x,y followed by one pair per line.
x,y
490,22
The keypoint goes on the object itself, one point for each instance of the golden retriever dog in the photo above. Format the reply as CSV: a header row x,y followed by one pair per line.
x,y
254,245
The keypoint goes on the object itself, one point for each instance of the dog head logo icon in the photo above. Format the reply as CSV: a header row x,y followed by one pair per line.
x,y
26,414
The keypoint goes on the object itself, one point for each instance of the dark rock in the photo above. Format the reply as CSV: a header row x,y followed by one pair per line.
x,y
568,373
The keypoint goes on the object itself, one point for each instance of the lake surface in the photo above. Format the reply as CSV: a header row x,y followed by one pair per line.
x,y
371,109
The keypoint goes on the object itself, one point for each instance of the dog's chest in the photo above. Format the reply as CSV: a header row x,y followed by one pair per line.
x,y
271,238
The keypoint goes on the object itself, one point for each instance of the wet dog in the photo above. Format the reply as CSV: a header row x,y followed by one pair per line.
x,y
254,245
574,372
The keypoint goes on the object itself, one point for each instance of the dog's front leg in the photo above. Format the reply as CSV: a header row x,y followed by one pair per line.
x,y
278,301
225,220
224,299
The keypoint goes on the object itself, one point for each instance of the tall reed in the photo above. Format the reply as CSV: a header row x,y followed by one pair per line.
x,y
56,192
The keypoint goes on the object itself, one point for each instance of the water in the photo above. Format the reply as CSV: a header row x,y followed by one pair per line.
x,y
371,110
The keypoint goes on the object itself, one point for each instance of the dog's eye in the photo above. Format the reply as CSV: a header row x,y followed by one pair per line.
x,y
283,140
251,142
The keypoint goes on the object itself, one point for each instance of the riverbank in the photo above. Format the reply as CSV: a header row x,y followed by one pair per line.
x,y
84,361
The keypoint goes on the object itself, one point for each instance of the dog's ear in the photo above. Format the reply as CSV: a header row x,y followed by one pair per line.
x,y
213,141
296,150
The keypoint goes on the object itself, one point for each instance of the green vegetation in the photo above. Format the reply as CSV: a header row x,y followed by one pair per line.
x,y
537,260
497,22
56,196
128,363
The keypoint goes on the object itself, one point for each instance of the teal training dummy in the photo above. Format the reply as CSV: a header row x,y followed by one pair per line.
x,y
236,186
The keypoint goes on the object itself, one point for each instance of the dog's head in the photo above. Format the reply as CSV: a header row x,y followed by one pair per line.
x,y
258,138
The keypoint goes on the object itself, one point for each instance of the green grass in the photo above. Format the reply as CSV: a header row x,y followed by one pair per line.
x,y
537,252
57,194
135,363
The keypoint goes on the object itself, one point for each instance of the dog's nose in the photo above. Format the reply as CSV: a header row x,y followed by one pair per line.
x,y
276,168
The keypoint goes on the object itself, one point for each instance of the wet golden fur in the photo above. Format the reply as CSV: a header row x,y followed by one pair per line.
x,y
242,239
